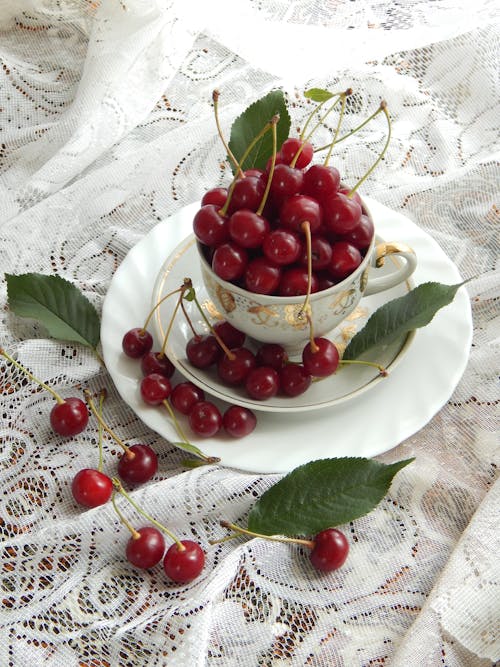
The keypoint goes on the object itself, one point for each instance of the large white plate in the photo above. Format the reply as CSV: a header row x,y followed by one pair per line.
x,y
346,384
371,424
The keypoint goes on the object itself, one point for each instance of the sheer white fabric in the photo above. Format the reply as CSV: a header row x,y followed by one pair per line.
x,y
106,127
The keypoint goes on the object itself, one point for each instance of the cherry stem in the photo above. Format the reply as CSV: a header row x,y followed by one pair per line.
x,y
312,342
187,285
340,96
164,298
257,138
349,134
224,347
129,454
383,107
215,99
343,98
15,363
274,538
182,435
102,397
274,121
306,228
135,534
188,319
118,486
302,135
383,371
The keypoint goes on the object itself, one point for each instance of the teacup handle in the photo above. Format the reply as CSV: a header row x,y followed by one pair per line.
x,y
382,250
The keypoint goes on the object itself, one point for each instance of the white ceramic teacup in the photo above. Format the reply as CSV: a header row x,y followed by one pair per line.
x,y
279,319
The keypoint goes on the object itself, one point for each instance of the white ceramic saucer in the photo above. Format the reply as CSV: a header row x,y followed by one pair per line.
x,y
347,383
374,422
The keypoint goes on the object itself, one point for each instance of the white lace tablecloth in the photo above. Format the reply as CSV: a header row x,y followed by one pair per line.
x,y
106,127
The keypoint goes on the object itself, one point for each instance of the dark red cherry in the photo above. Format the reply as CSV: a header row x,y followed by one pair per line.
x,y
210,227
234,371
203,351
298,209
323,361
185,395
215,196
294,379
294,282
239,421
156,362
340,213
321,182
291,146
146,549
137,342
138,465
330,550
262,276
345,259
230,336
229,261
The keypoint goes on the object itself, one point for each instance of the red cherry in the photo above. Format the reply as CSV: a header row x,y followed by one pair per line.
x,y
185,395
210,227
91,488
184,565
247,194
298,209
330,550
287,181
294,282
247,228
230,336
205,419
282,246
321,182
69,418
323,361
239,421
341,214
321,253
262,276
229,261
155,389
345,259
361,236
271,354
156,362
137,342
146,550
294,379
203,351
215,196
140,467
291,146
262,383
234,371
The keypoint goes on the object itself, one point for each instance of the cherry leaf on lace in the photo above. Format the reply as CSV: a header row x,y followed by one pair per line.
x,y
322,494
401,315
56,303
318,95
247,126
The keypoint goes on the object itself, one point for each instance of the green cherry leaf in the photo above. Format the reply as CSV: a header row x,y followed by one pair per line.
x,y
248,125
322,494
64,311
318,95
401,315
